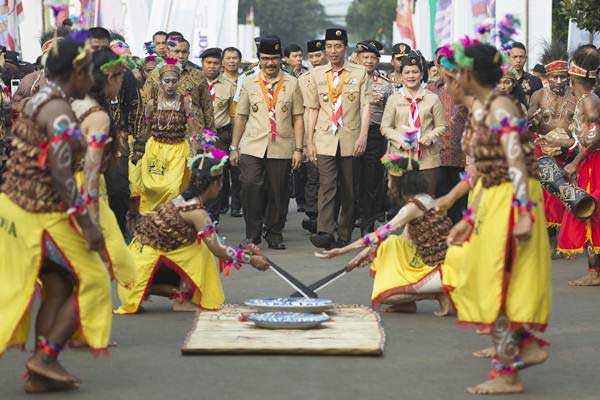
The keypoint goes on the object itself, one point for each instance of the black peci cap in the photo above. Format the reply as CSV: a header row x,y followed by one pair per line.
x,y
269,45
337,34
313,46
214,52
378,45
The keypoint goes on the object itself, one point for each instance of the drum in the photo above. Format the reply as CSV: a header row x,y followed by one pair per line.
x,y
554,180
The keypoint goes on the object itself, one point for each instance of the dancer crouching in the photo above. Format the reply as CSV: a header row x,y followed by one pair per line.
x,y
174,247
407,267
47,233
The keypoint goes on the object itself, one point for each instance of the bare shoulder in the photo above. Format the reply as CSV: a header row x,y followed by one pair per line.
x,y
503,107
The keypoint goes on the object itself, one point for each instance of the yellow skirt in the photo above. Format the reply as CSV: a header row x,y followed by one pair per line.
x,y
492,272
193,262
163,173
22,235
397,268
118,255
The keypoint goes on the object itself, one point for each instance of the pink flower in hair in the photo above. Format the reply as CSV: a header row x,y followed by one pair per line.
x,y
468,41
446,51
218,154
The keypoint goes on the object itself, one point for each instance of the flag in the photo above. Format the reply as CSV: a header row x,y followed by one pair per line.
x,y
404,23
14,16
88,12
441,22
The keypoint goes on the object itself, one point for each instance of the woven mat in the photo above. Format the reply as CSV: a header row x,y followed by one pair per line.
x,y
352,330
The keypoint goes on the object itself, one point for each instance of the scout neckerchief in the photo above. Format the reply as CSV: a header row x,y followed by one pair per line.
x,y
270,98
335,86
212,90
413,136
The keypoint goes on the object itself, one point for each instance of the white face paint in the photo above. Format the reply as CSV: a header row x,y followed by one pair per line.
x,y
63,121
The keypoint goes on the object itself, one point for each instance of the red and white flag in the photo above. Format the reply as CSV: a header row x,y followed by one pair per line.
x,y
404,22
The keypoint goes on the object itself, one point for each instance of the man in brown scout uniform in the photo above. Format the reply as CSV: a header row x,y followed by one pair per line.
x,y
371,194
337,103
192,81
267,140
315,50
221,91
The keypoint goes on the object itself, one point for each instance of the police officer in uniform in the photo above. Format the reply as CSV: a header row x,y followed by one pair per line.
x,y
399,50
221,91
267,141
371,172
337,103
315,50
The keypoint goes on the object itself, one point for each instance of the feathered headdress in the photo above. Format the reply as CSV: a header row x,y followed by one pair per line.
x,y
398,165
169,64
207,140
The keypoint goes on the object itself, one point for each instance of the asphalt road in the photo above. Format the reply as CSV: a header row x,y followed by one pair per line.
x,y
425,357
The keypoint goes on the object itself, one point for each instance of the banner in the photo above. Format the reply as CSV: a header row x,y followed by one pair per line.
x,y
88,10
404,22
215,26
441,22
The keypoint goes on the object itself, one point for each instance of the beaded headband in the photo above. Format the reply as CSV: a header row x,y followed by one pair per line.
x,y
576,70
207,141
557,67
446,60
393,164
119,47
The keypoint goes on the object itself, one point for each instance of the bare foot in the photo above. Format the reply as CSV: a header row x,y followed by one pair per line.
x,y
185,306
444,301
80,344
49,368
488,352
590,279
483,331
533,354
39,384
502,384
408,308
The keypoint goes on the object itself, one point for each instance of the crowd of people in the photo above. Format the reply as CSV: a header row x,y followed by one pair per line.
x,y
120,167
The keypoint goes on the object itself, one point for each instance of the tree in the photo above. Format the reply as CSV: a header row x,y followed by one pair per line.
x,y
372,19
294,21
586,12
560,23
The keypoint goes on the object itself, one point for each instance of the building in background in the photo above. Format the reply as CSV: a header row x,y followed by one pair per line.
x,y
336,11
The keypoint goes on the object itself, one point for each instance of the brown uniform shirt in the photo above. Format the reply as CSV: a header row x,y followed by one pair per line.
x,y
224,92
256,140
381,90
395,122
192,81
356,94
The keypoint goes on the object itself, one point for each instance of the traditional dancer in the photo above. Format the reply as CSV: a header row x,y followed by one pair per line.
x,y
174,247
163,172
406,267
47,232
503,236
550,114
97,126
576,235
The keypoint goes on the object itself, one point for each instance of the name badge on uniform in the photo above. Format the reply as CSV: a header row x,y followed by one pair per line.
x,y
255,107
351,81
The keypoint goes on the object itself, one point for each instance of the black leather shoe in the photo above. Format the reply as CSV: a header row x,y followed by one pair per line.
x,y
275,245
301,208
236,213
322,240
309,224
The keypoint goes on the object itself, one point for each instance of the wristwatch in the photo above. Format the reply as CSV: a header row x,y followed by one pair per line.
x,y
233,148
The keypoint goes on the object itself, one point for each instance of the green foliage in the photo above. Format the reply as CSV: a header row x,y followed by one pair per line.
x,y
294,21
560,23
371,19
586,12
